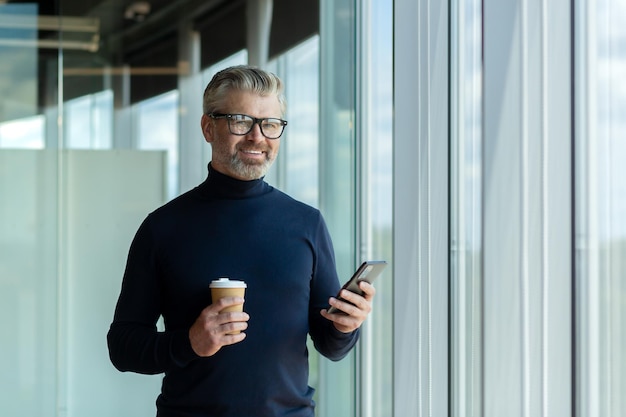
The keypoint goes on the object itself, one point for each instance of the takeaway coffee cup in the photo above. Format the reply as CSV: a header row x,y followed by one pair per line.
x,y
225,287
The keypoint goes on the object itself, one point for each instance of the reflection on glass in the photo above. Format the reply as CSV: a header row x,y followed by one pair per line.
x,y
466,199
601,212
89,121
376,208
27,133
157,129
19,62
299,68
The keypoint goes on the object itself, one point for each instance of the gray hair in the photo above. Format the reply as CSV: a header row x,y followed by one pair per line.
x,y
242,78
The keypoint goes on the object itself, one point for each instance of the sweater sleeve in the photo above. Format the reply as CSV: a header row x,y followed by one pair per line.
x,y
133,340
329,341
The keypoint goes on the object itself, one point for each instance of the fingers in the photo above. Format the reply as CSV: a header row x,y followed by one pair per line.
x,y
355,307
368,290
356,304
346,321
218,323
215,328
226,303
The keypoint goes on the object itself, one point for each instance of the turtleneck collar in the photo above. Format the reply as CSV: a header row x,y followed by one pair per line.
x,y
221,185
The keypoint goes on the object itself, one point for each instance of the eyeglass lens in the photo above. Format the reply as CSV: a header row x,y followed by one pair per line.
x,y
240,124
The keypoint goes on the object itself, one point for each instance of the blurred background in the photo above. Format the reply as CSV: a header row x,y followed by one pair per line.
x,y
477,146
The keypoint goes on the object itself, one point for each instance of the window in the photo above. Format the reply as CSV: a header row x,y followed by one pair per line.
x,y
157,129
238,58
375,207
89,121
466,213
601,208
26,133
296,172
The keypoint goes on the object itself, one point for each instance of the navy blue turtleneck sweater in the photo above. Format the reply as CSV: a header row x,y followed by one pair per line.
x,y
245,230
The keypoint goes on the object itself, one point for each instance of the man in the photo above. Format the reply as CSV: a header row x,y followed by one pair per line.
x,y
234,225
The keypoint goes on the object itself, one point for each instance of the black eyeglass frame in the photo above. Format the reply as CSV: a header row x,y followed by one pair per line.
x,y
229,117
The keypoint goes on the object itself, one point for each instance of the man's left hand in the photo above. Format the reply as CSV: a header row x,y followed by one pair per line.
x,y
356,308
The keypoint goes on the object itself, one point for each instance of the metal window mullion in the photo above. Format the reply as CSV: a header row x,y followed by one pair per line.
x,y
607,182
524,221
587,380
545,225
191,145
363,358
459,332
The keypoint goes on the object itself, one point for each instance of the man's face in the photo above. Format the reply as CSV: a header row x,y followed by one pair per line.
x,y
245,157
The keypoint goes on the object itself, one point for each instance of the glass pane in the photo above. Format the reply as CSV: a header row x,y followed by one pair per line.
x,y
466,209
28,232
601,210
240,58
27,133
18,61
337,177
376,208
89,121
295,171
157,129
299,68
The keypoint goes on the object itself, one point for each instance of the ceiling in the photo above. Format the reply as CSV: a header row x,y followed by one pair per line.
x,y
98,38
124,25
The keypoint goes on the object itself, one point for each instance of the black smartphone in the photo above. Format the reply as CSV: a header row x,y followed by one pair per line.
x,y
368,271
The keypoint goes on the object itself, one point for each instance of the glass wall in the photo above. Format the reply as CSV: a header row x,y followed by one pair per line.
x,y
89,121
537,208
26,133
337,176
296,172
91,141
466,198
374,208
600,208
475,145
155,127
28,244
512,217
421,178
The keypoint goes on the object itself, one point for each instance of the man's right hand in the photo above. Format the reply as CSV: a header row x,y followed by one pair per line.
x,y
210,331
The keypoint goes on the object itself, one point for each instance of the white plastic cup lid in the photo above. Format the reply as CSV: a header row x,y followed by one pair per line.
x,y
227,283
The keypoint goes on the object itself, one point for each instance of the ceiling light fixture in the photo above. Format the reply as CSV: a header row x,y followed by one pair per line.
x,y
63,24
137,11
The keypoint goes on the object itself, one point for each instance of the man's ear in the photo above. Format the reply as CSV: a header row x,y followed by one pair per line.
x,y
208,128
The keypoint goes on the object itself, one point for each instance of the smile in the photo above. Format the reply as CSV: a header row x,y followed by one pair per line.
x,y
253,152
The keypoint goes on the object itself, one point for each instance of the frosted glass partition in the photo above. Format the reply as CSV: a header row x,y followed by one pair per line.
x,y
66,222
28,284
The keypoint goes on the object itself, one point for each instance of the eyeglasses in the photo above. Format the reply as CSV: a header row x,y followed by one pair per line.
x,y
242,124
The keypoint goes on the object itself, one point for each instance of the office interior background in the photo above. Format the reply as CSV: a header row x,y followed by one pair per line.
x,y
476,145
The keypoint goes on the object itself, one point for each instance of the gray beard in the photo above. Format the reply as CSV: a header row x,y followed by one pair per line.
x,y
249,171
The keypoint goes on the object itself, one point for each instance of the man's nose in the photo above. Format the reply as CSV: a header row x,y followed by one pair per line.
x,y
255,133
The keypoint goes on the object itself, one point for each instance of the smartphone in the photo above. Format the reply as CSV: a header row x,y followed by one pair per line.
x,y
368,271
